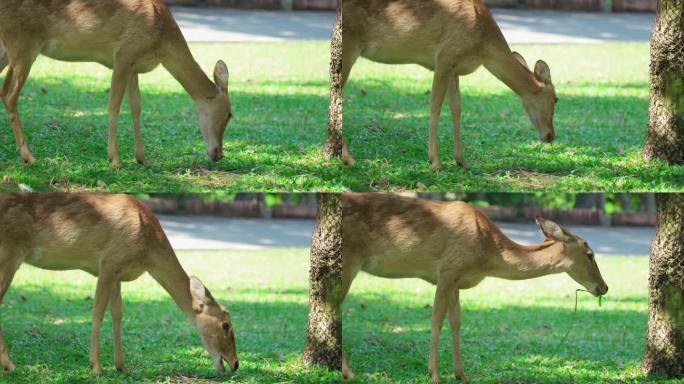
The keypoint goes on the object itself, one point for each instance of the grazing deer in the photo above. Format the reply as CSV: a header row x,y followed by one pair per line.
x,y
452,38
128,36
454,246
113,237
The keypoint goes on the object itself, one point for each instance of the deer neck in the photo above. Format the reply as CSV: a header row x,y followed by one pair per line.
x,y
171,276
506,68
518,262
182,66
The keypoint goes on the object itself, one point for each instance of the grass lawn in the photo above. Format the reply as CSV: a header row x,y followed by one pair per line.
x,y
46,321
280,101
510,330
280,96
600,122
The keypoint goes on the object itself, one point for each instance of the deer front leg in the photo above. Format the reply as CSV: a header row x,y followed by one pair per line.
x,y
439,88
116,311
439,310
455,107
14,81
103,293
8,267
136,108
120,78
349,55
455,323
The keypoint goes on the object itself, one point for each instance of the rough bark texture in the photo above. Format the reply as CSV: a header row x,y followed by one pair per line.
x,y
324,335
665,339
665,135
334,138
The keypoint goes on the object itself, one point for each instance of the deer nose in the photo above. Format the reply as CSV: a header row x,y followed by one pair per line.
x,y
602,290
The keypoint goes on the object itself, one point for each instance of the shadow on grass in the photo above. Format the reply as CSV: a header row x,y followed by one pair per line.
x,y
48,334
387,341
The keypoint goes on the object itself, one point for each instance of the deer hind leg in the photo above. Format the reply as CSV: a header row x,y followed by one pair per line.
x,y
440,83
106,284
3,58
8,268
349,55
443,293
455,107
455,323
136,108
348,274
18,72
116,311
120,79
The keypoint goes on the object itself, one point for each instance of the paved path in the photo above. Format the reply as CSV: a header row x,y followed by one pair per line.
x,y
200,232
220,24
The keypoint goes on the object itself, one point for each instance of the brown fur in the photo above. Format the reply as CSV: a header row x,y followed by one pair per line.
x,y
452,38
454,246
113,237
128,36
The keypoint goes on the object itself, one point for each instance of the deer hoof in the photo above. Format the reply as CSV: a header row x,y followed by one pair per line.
x,y
116,163
347,374
462,376
435,378
144,163
9,366
462,163
27,156
348,160
121,367
436,165
97,370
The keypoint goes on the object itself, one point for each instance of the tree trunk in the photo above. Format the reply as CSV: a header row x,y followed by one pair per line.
x,y
324,335
665,134
335,147
665,339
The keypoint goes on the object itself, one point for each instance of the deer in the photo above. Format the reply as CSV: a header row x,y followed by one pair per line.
x,y
115,238
454,246
130,37
452,38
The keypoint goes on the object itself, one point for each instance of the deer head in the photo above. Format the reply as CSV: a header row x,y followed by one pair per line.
x,y
577,258
214,112
215,328
541,104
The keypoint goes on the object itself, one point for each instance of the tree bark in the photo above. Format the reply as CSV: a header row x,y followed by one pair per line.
x,y
665,338
665,134
335,147
324,335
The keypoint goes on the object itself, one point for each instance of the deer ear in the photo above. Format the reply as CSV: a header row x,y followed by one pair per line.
x,y
542,72
521,60
200,294
552,230
221,76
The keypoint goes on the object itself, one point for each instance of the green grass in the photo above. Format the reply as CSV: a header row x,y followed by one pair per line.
x,y
46,321
600,122
510,330
280,97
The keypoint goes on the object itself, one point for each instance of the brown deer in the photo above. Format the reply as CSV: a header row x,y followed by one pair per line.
x,y
452,38
113,237
128,36
454,246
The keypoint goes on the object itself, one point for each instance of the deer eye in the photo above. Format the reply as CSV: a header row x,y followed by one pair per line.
x,y
226,327
590,255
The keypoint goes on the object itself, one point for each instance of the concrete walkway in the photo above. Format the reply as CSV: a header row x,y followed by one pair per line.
x,y
201,232
519,26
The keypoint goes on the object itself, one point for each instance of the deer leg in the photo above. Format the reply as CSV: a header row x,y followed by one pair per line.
x,y
14,81
455,323
136,108
440,83
349,55
105,285
439,310
120,79
455,107
8,267
116,311
347,277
